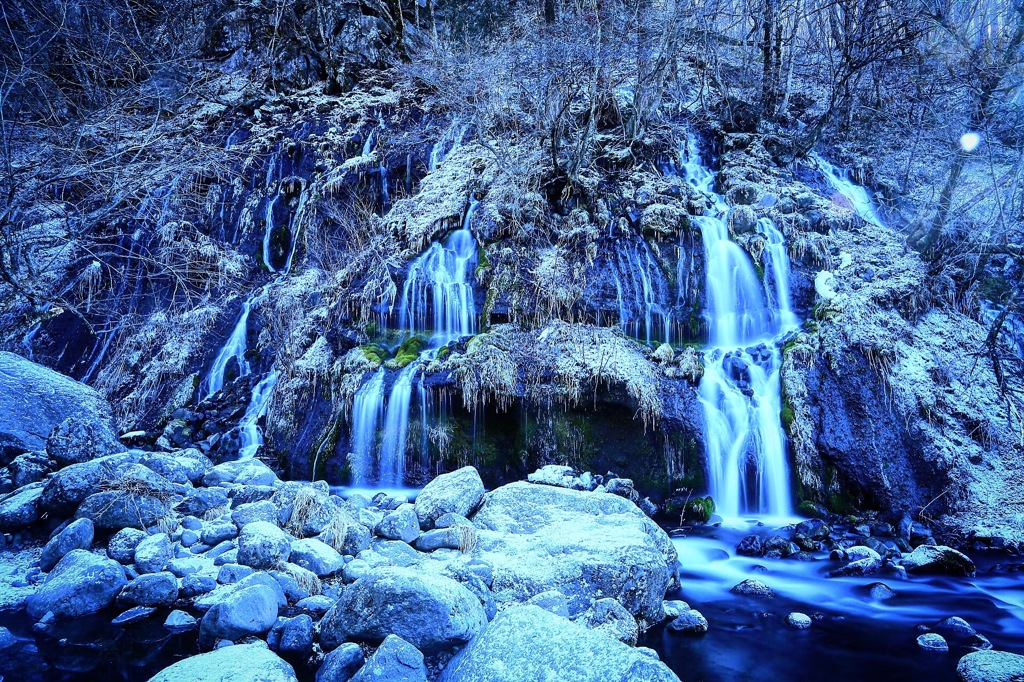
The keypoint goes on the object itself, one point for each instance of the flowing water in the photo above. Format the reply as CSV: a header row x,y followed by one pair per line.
x,y
233,349
854,194
642,291
740,391
250,436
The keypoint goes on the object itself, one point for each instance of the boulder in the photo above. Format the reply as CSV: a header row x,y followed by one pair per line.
x,y
180,621
401,524
81,583
553,601
183,466
68,488
134,615
798,621
297,636
122,544
933,642
230,664
34,400
752,587
690,622
455,537
991,666
31,467
611,619
587,545
76,440
264,510
20,508
77,535
153,553
316,556
395,660
431,612
202,500
247,611
152,589
938,559
263,545
527,643
305,509
341,664
458,492
116,509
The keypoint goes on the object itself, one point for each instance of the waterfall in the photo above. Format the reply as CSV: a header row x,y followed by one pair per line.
x,y
453,136
250,437
437,298
234,348
740,391
642,287
839,180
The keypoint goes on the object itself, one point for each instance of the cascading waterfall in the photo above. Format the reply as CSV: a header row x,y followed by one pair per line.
x,y
437,298
250,437
839,180
740,390
234,349
641,287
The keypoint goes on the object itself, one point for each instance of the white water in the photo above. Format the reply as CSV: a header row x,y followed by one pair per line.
x,y
740,391
856,195
367,411
452,136
641,287
250,436
234,348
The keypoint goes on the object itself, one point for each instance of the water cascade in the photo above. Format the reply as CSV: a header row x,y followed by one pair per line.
x,y
367,411
250,437
641,289
839,180
234,349
740,390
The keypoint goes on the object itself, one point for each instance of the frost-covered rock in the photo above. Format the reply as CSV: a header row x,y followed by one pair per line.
x,y
152,589
458,492
609,618
933,642
395,660
529,643
317,557
67,488
80,584
263,545
938,559
752,587
20,508
116,509
250,610
76,440
122,544
586,545
431,612
77,535
400,524
227,664
690,622
153,553
991,666
341,664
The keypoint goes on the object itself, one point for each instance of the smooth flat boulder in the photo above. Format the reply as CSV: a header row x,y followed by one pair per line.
x,y
529,644
239,663
431,612
34,400
458,492
81,583
991,666
586,545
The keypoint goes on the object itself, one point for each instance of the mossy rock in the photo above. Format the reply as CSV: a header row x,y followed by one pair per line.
x,y
812,510
699,510
408,352
375,354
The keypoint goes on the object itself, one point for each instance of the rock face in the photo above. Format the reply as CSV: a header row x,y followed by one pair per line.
x,y
528,644
430,612
586,545
230,664
458,492
34,399
938,559
80,584
991,666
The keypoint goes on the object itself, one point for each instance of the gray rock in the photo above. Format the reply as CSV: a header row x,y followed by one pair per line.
x,y
152,589
401,524
122,544
116,509
991,666
955,627
202,500
460,536
216,533
297,636
248,611
66,489
752,587
317,605
185,566
181,467
528,643
20,508
798,621
611,619
937,559
195,585
860,567
34,400
264,510
553,601
553,474
306,509
180,621
673,608
76,440
585,545
31,467
153,553
690,622
230,664
136,614
232,573
77,535
243,471
263,545
431,612
341,664
81,583
933,642
881,591
317,557
458,492
395,660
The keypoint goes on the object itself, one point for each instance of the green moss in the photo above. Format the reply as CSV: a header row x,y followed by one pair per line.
x,y
482,262
812,510
407,352
374,353
699,509
442,353
788,417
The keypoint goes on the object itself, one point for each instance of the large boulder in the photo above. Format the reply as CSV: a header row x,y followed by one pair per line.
x,y
20,508
263,545
81,583
458,492
76,535
34,399
431,612
248,611
395,660
152,589
117,509
67,488
341,664
529,644
316,556
153,553
76,440
991,666
242,662
586,545
938,559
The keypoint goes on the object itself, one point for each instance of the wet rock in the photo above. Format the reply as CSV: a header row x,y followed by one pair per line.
x,y
80,584
609,618
881,591
585,545
431,612
77,535
689,622
751,545
153,553
251,610
134,615
742,220
933,642
153,589
816,529
752,587
317,557
239,662
458,492
955,627
394,660
991,666
860,567
76,440
401,524
263,545
341,664
798,621
20,508
529,643
122,544
934,559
